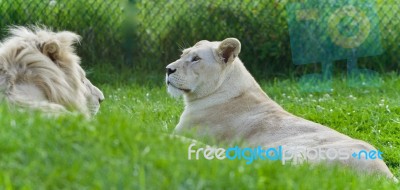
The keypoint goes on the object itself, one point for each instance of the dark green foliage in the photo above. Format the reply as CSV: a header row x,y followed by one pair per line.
x,y
98,22
149,34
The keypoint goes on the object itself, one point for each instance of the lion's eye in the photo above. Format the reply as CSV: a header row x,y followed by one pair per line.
x,y
195,58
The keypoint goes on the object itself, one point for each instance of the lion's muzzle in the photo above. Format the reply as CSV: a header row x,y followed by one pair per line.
x,y
170,71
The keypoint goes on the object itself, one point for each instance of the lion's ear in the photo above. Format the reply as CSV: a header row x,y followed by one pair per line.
x,y
51,49
68,38
228,50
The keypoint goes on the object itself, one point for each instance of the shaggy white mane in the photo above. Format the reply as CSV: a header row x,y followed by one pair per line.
x,y
40,69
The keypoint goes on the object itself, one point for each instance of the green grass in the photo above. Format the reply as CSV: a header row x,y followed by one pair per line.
x,y
126,146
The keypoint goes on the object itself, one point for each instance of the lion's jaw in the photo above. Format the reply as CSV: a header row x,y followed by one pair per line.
x,y
94,96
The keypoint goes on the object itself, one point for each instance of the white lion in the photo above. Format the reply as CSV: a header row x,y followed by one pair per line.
x,y
224,102
39,69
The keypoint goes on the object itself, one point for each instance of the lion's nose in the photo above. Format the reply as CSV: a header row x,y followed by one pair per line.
x,y
101,100
170,71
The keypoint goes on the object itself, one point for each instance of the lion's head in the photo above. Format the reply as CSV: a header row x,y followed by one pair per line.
x,y
202,68
40,68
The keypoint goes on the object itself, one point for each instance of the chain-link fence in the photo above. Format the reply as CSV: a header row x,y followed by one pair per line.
x,y
98,22
279,37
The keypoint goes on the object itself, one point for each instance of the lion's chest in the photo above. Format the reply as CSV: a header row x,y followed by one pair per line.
x,y
222,122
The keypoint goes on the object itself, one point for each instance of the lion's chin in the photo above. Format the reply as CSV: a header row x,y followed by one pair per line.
x,y
94,110
174,92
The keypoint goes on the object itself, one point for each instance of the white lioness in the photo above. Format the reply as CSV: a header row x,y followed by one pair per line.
x,y
39,69
224,102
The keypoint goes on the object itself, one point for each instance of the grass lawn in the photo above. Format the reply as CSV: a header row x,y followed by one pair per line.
x,y
126,145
